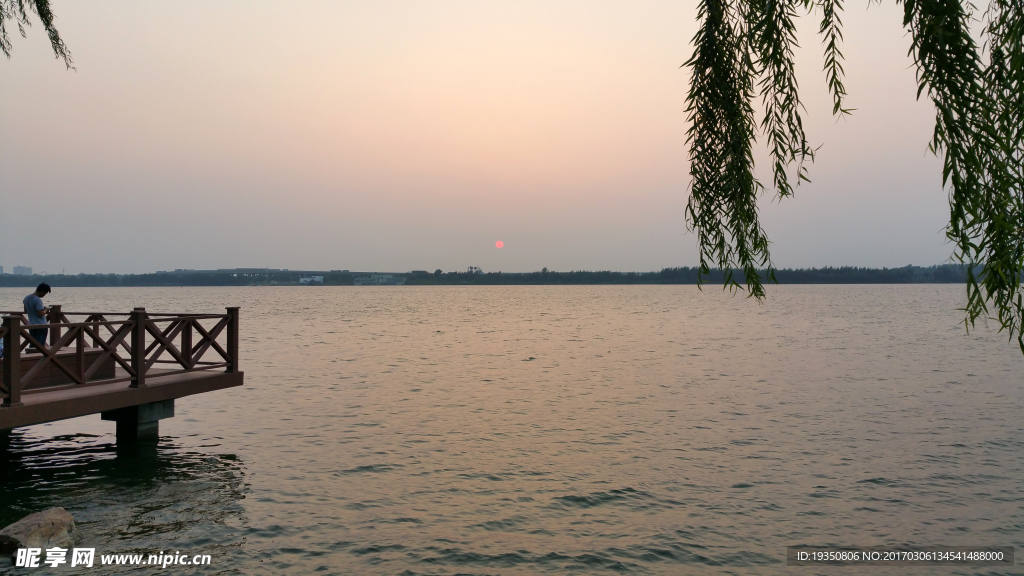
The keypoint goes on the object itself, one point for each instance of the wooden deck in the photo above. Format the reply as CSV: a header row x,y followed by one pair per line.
x,y
72,402
128,366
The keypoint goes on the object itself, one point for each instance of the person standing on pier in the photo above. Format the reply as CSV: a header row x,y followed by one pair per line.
x,y
35,311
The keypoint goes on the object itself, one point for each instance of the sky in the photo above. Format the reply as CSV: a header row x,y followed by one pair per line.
x,y
398,135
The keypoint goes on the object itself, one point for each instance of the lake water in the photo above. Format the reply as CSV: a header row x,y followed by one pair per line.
x,y
555,430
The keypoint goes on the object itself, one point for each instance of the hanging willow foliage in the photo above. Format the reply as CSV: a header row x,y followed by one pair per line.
x,y
18,11
744,49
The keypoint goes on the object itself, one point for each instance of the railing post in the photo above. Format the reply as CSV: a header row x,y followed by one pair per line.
x,y
96,333
80,354
54,317
233,339
186,343
139,347
12,361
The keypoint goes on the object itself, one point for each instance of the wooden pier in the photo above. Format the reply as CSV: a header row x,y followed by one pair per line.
x,y
128,367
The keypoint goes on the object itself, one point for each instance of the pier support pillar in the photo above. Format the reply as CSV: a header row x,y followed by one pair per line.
x,y
140,423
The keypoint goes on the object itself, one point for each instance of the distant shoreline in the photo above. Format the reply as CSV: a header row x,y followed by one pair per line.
x,y
941,274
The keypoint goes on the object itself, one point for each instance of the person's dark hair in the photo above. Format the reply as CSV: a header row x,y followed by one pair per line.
x,y
44,288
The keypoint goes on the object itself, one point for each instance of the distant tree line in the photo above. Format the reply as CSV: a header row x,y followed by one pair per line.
x,y
947,274
200,278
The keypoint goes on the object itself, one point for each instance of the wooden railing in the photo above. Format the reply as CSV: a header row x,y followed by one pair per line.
x,y
140,344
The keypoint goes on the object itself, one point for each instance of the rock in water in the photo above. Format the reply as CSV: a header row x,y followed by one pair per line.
x,y
46,529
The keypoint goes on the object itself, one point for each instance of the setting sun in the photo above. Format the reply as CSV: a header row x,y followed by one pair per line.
x,y
499,244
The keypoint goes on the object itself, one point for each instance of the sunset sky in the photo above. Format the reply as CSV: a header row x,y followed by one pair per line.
x,y
398,135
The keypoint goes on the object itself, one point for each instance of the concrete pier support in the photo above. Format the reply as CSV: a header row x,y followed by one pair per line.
x,y
141,423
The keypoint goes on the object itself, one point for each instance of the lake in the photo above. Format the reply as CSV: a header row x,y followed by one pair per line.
x,y
553,430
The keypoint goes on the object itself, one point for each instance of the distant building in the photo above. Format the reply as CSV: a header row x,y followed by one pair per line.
x,y
378,280
311,280
23,270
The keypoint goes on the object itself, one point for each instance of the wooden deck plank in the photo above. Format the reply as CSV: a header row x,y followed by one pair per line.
x,y
42,407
